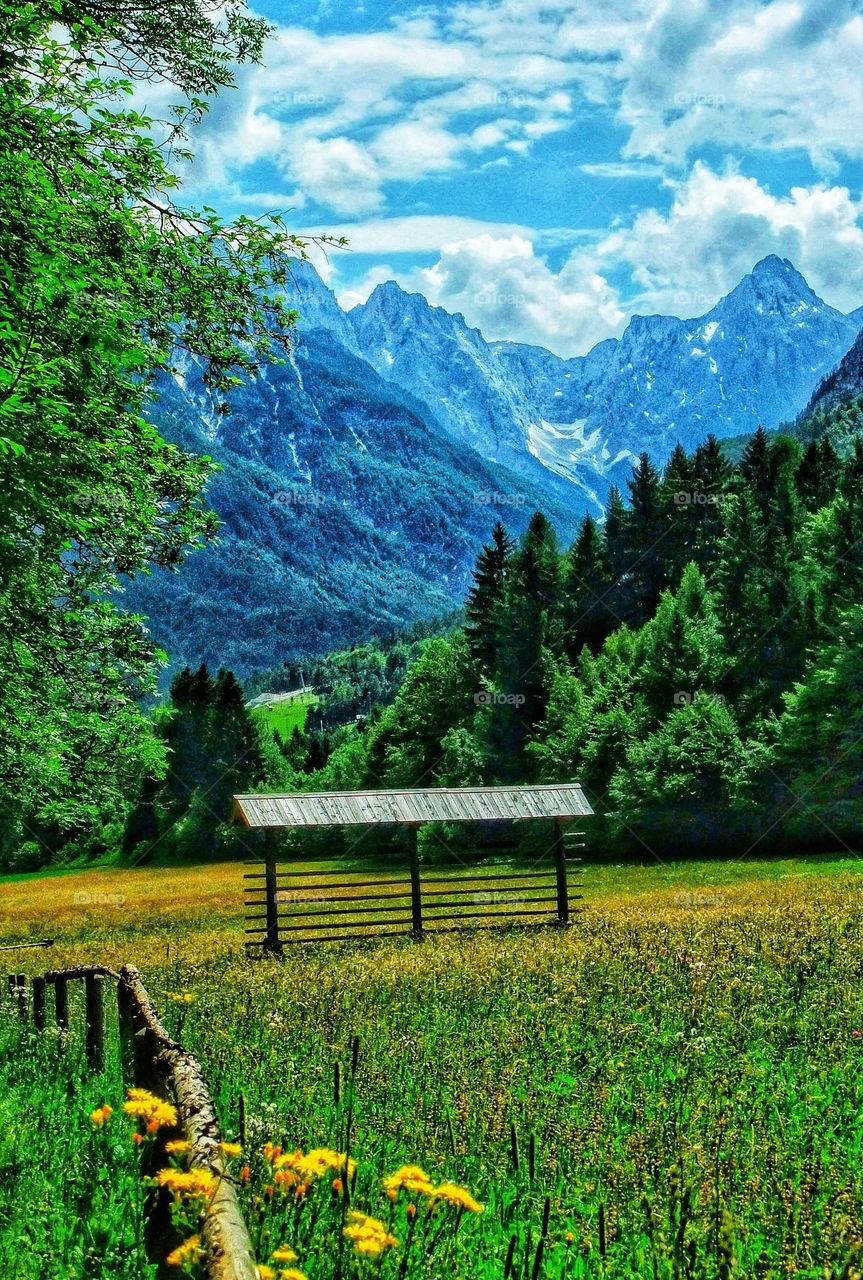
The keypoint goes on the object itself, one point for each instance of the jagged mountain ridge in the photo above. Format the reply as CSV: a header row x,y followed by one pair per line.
x,y
753,359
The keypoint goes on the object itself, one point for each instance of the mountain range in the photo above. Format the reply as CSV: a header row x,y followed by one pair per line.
x,y
360,476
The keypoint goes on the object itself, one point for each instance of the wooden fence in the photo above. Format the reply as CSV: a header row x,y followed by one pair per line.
x,y
153,1061
326,898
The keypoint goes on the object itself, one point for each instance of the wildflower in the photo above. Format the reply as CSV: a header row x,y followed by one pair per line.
x,y
189,1251
284,1254
271,1152
369,1235
230,1149
265,1273
176,1147
245,1174
100,1115
154,1111
338,1186
458,1196
412,1210
292,1273
194,1182
182,997
410,1177
137,1138
314,1164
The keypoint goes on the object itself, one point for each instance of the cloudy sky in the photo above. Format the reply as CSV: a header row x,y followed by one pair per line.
x,y
550,168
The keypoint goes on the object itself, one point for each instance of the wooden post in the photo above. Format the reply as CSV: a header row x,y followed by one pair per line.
x,y
19,991
39,1003
560,868
94,1000
272,942
416,884
126,1027
61,1005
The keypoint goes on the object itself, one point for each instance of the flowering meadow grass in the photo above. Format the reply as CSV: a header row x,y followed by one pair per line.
x,y
671,1089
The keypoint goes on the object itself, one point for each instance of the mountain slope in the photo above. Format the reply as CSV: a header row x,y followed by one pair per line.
x,y
345,514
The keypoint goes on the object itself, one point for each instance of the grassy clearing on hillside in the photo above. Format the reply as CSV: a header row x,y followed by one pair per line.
x,y
284,717
685,1064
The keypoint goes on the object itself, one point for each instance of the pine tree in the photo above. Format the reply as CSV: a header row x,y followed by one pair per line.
x,y
645,527
485,601
756,468
586,581
682,647
679,500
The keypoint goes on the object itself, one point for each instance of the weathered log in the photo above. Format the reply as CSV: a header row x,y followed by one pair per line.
x,y
225,1237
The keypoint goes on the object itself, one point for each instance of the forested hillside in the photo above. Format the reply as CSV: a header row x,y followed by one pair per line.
x,y
694,663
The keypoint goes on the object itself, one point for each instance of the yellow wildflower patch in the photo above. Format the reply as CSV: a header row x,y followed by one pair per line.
x,y
284,1254
154,1111
193,1182
369,1236
410,1177
101,1115
188,1251
458,1196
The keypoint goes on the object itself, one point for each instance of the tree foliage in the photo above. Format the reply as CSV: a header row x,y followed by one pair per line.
x,y
104,277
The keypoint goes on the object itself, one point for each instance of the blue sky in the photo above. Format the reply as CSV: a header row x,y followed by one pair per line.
x,y
549,169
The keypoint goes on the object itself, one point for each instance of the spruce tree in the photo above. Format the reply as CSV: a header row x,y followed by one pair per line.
x,y
586,581
485,601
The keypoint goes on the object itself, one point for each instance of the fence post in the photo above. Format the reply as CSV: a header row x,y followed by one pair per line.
x,y
272,943
39,1003
61,1004
416,883
560,868
94,1000
126,1027
18,992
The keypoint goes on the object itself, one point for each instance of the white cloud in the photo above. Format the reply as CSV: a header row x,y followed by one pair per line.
x,y
415,233
719,225
338,172
501,286
782,76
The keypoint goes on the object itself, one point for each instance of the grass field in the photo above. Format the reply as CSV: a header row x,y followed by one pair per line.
x,y
284,717
673,1088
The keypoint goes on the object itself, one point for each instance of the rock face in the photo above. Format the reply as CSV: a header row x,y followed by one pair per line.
x,y
754,359
360,477
843,383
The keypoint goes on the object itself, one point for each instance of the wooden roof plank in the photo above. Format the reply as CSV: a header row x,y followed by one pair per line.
x,y
430,804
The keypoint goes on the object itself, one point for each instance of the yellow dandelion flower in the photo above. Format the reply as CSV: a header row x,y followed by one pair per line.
x,y
265,1273
154,1111
284,1254
231,1149
292,1273
189,1251
182,997
315,1163
193,1182
458,1196
100,1115
177,1147
369,1236
410,1177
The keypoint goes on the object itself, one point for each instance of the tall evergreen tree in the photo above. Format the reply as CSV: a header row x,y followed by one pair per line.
x,y
586,583
486,599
